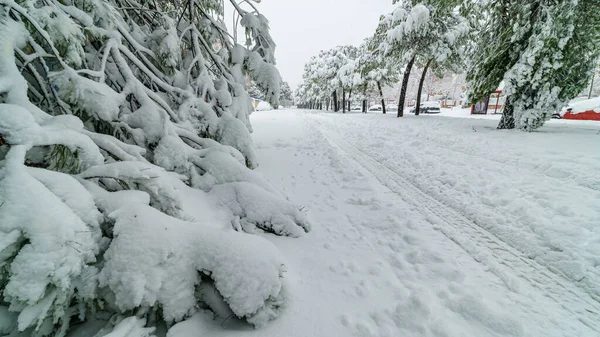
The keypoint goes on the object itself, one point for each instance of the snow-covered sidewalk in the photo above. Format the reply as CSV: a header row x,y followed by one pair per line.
x,y
431,226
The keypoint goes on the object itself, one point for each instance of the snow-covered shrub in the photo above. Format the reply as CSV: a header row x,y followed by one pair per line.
x,y
119,121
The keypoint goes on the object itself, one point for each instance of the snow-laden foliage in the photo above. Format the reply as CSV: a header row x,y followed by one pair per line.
x,y
408,29
429,34
594,87
373,65
425,30
286,97
544,52
332,71
125,167
375,71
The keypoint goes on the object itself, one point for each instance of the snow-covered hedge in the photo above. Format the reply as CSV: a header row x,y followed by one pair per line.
x,y
125,167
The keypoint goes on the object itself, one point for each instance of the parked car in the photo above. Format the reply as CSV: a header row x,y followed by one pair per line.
x,y
376,107
581,109
428,108
391,108
356,108
557,114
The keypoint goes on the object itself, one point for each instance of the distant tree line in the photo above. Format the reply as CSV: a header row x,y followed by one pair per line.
x,y
545,53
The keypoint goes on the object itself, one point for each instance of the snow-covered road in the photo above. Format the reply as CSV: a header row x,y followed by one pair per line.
x,y
433,226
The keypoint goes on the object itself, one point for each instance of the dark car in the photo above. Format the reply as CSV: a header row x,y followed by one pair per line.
x,y
557,114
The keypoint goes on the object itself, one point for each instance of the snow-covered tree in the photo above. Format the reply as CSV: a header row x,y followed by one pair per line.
x,y
407,29
332,72
253,89
375,68
446,85
425,34
300,95
348,75
317,84
594,87
126,190
445,52
544,51
286,97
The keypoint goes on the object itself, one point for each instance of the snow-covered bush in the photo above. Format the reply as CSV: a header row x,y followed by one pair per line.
x,y
125,167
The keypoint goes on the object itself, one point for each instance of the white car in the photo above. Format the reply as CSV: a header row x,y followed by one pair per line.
x,y
391,108
579,107
432,107
356,108
376,107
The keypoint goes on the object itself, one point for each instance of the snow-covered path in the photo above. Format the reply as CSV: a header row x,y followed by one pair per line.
x,y
403,245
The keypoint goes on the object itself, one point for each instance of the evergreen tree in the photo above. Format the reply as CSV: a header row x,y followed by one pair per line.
x,y
544,51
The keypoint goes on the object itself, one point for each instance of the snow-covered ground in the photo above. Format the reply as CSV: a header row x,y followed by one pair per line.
x,y
431,226
466,113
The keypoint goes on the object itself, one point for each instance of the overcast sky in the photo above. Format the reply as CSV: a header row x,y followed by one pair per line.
x,y
301,28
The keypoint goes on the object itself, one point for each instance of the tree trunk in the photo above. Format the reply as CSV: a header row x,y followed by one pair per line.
x,y
335,101
364,106
592,85
418,105
343,100
404,87
508,117
350,100
381,94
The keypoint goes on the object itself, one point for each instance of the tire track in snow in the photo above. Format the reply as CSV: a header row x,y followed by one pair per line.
x,y
586,275
530,167
507,263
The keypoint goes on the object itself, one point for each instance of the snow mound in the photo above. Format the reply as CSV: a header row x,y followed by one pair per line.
x,y
263,106
257,207
131,327
150,247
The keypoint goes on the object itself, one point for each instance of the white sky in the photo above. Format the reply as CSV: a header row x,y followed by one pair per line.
x,y
301,28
